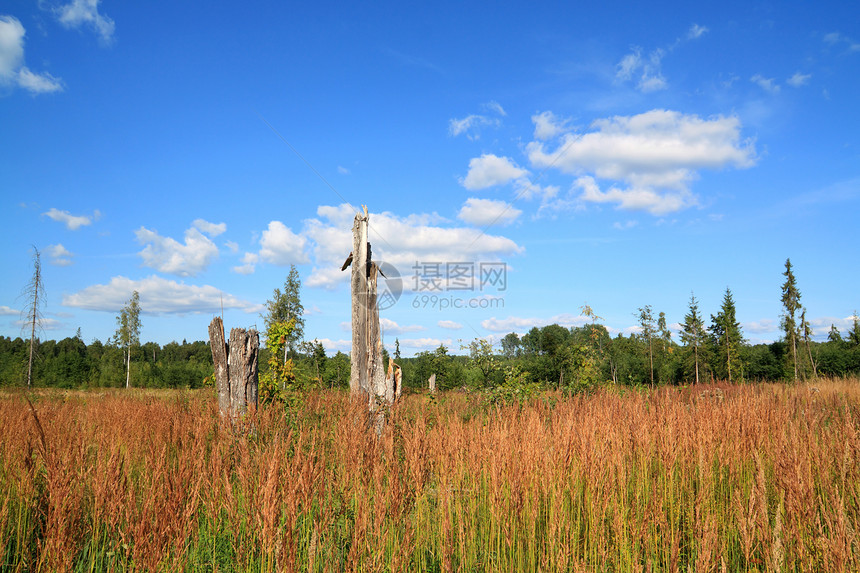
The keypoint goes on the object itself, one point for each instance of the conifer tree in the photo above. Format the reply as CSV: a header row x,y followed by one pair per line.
x,y
693,332
35,293
727,339
791,304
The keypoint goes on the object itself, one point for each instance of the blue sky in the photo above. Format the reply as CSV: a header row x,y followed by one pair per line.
x,y
615,154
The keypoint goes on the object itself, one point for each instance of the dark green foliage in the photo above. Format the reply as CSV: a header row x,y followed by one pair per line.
x,y
70,363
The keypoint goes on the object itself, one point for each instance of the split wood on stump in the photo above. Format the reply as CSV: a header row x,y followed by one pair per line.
x,y
367,373
235,368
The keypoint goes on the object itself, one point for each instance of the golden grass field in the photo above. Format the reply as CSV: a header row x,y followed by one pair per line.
x,y
735,478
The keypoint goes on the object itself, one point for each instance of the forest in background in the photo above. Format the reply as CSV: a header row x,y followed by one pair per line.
x,y
553,356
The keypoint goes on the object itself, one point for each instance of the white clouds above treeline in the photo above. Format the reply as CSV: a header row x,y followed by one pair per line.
x,y
641,162
157,296
72,222
188,259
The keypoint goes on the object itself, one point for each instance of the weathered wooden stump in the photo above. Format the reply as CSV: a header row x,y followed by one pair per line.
x,y
367,375
235,368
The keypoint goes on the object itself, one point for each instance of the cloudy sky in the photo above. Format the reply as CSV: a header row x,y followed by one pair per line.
x,y
518,162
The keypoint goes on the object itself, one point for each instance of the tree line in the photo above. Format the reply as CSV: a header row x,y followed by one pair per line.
x,y
554,356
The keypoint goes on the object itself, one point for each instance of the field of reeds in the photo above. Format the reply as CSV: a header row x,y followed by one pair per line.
x,y
736,478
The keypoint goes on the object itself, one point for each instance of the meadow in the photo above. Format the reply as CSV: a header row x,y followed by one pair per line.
x,y
759,477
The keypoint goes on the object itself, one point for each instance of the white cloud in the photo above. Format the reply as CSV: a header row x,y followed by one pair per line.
x,y
483,212
391,327
470,125
835,38
7,311
760,326
425,343
249,263
335,345
635,199
279,245
168,255
72,222
38,83
518,324
211,229
342,170
232,246
157,296
547,125
78,13
496,107
767,84
450,324
798,80
656,154
399,241
648,69
696,31
623,226
60,255
13,72
489,170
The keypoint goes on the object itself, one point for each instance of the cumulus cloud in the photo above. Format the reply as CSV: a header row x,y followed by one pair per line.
x,y
798,80
449,324
656,154
72,222
211,229
330,345
839,39
471,125
13,72
249,264
548,126
519,324
7,311
186,259
398,240
78,13
489,170
157,296
483,212
60,255
647,70
391,327
425,343
767,84
279,245
696,31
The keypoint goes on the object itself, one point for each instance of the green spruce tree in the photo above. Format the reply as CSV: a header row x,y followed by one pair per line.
x,y
693,333
727,339
790,304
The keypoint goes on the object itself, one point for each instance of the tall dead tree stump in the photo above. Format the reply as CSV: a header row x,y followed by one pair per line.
x,y
235,364
367,375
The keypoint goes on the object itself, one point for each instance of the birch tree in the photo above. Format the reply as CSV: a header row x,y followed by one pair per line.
x,y
128,331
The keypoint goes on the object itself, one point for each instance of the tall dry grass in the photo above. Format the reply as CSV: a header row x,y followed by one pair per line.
x,y
755,478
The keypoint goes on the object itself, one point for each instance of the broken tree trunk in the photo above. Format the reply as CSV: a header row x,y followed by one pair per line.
x,y
367,375
432,383
235,368
358,356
